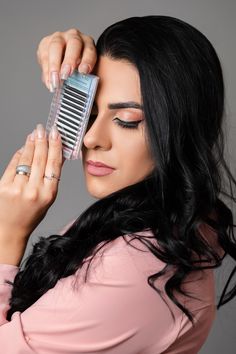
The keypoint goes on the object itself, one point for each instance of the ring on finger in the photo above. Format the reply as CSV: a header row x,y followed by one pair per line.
x,y
52,175
23,173
23,170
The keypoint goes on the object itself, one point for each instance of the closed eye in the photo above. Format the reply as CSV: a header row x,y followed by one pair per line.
x,y
119,122
125,124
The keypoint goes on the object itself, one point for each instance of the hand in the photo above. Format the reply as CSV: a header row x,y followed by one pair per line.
x,y
61,52
24,200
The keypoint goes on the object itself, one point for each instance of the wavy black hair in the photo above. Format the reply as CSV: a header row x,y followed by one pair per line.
x,y
182,92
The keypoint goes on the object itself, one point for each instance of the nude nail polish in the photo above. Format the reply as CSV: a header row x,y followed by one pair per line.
x,y
54,80
65,72
84,68
40,131
32,135
54,132
51,89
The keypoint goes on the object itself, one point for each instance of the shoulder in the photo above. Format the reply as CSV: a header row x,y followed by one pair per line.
x,y
117,307
127,255
119,272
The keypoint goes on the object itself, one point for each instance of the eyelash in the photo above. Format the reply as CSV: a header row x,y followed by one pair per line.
x,y
122,123
129,125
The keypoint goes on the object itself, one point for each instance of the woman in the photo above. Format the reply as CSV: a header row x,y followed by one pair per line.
x,y
134,273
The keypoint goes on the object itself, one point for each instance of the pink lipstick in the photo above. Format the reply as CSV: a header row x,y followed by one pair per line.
x,y
98,168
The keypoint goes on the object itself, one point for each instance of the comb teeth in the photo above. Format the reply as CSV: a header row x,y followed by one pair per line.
x,y
70,111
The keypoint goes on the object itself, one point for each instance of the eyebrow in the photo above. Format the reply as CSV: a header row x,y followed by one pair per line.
x,y
120,105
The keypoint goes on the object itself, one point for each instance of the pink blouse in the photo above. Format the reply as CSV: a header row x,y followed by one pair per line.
x,y
116,311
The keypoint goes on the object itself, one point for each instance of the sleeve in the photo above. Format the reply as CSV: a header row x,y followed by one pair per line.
x,y
109,313
7,272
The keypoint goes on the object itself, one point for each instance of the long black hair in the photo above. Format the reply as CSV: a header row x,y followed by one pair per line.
x,y
182,92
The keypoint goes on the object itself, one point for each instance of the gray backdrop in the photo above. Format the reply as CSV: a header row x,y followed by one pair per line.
x,y
24,101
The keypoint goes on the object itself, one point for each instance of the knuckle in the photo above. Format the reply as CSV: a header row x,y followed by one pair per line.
x,y
90,38
16,192
56,34
50,196
56,40
43,44
43,41
54,162
91,48
74,39
73,31
32,195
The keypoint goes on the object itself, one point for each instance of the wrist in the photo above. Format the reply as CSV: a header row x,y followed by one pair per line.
x,y
12,249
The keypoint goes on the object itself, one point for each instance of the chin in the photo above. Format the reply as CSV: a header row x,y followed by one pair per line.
x,y
96,193
100,192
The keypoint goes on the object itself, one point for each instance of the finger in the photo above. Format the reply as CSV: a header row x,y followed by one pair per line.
x,y
45,72
54,161
72,58
42,57
42,48
55,56
89,56
26,158
40,156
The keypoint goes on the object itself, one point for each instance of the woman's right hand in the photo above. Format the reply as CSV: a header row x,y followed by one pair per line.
x,y
61,52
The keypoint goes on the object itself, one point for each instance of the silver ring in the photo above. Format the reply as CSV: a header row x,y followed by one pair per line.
x,y
23,173
52,175
23,170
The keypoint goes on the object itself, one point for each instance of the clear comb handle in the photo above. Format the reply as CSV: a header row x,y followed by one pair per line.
x,y
70,111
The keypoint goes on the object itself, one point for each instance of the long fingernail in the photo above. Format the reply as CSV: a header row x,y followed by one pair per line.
x,y
32,135
54,132
51,89
54,80
49,85
84,68
40,131
65,72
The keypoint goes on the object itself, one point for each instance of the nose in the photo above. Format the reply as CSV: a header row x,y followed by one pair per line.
x,y
97,134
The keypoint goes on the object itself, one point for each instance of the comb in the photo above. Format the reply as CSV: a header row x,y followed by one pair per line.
x,y
70,110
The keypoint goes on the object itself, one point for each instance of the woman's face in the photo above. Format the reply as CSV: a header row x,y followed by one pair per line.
x,y
124,149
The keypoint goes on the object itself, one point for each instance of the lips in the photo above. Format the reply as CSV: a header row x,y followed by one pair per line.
x,y
98,164
98,169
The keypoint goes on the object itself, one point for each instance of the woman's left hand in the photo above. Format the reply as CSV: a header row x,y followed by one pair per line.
x,y
25,200
62,52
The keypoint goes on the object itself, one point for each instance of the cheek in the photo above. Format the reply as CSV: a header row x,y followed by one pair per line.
x,y
135,158
130,146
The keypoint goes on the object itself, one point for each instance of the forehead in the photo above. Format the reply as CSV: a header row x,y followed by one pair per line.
x,y
118,80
